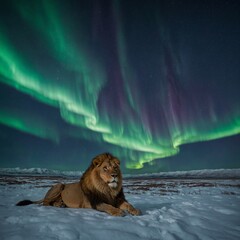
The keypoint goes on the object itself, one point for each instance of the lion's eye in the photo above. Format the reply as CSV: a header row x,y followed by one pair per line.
x,y
105,168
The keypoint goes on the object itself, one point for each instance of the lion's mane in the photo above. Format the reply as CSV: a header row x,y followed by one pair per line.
x,y
95,189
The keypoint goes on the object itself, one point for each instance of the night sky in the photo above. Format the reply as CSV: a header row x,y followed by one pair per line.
x,y
156,83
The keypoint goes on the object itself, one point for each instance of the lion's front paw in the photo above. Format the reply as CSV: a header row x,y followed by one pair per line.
x,y
135,212
117,212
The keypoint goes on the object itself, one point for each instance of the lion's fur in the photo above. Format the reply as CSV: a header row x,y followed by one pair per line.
x,y
96,189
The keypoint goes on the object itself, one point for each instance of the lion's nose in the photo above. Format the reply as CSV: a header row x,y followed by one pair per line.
x,y
114,175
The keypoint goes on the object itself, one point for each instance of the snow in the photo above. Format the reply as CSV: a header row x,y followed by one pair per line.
x,y
171,209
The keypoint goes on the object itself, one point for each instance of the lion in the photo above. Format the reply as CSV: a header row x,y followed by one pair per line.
x,y
100,188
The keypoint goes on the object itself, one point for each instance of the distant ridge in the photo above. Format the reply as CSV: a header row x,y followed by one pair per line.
x,y
194,174
38,171
206,173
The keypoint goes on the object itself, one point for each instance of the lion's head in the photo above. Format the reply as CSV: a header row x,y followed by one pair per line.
x,y
107,168
104,173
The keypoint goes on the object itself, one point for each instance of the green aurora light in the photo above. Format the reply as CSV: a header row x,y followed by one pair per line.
x,y
84,74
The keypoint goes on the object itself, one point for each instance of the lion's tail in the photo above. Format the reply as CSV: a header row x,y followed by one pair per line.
x,y
28,202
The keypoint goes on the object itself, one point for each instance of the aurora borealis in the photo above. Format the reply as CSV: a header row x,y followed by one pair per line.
x,y
144,80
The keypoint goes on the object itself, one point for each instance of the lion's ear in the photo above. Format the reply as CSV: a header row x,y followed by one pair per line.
x,y
117,161
97,161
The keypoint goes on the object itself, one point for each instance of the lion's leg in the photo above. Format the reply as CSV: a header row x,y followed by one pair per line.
x,y
59,203
53,196
103,207
125,206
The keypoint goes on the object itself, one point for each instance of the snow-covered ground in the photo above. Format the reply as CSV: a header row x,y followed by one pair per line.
x,y
171,209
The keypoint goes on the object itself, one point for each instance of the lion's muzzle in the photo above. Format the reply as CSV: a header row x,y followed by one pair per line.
x,y
114,182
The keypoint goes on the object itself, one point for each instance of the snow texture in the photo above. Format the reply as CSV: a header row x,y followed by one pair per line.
x,y
171,209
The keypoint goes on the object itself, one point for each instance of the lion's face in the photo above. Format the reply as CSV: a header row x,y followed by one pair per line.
x,y
108,169
109,172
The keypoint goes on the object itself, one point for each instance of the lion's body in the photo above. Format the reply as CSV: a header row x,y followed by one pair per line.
x,y
100,188
73,196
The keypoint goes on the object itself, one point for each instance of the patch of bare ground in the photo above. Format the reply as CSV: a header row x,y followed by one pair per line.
x,y
154,186
19,180
175,186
